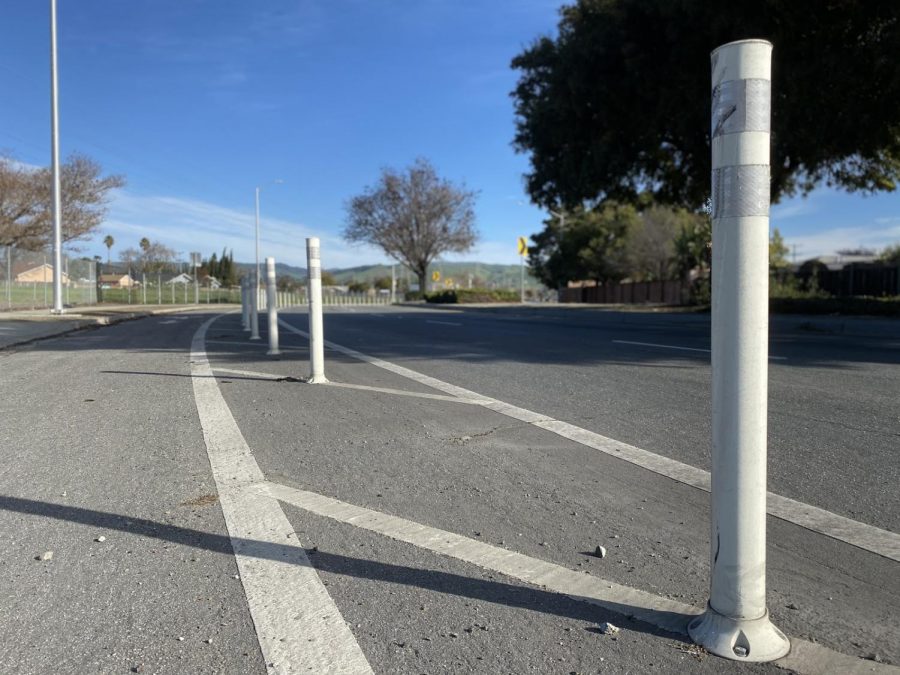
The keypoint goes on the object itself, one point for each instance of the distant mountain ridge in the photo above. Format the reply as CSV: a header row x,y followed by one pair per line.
x,y
459,273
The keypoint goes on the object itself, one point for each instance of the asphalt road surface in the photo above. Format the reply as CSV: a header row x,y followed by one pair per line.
x,y
437,506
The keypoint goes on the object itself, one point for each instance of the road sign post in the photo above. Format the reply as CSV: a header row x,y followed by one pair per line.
x,y
736,623
316,331
272,307
522,245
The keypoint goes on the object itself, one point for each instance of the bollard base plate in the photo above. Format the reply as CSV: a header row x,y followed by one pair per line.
x,y
317,379
756,640
273,352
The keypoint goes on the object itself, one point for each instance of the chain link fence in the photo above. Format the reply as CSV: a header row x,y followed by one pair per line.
x,y
26,279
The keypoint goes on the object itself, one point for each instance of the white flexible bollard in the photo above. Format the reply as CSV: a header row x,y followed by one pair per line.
x,y
245,305
254,306
736,623
316,331
272,307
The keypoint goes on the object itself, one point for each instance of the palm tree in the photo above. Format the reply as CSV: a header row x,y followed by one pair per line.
x,y
108,241
144,244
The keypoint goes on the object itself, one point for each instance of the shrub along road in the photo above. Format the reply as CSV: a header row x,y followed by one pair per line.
x,y
436,508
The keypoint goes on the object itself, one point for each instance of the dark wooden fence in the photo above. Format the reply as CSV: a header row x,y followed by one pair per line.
x,y
632,293
871,279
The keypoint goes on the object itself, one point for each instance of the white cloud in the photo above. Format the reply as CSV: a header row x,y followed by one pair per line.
x,y
827,242
193,225
493,252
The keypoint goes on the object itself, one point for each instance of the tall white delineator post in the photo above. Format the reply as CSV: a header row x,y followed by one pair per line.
x,y
254,306
272,307
736,623
316,336
245,304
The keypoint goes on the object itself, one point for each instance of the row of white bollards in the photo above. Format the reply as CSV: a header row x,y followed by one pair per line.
x,y
736,622
250,309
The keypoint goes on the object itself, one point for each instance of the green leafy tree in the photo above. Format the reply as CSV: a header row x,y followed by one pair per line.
x,y
212,266
585,244
891,255
383,283
693,247
358,287
651,244
328,279
108,241
778,252
619,99
413,216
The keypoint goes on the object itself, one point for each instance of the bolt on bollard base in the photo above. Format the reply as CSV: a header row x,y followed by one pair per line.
x,y
756,640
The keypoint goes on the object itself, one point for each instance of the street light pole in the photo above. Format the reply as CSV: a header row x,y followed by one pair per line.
x,y
54,161
257,239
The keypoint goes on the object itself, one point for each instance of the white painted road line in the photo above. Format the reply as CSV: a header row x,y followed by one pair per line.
x,y
298,626
443,323
805,657
858,534
360,387
683,349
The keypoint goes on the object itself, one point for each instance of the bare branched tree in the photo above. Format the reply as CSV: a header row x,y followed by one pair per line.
x,y
25,201
413,216
20,206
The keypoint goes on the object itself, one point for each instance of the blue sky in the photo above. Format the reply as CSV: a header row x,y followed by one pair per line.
x,y
198,102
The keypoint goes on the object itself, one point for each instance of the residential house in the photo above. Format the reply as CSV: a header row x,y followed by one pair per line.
x,y
117,281
40,274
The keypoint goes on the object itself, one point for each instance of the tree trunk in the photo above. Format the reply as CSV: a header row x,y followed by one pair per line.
x,y
423,281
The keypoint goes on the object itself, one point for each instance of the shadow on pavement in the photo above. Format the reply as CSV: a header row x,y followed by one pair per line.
x,y
488,590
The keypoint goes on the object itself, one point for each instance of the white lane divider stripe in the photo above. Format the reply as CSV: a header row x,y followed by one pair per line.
x,y
683,349
443,323
360,387
298,626
806,657
861,535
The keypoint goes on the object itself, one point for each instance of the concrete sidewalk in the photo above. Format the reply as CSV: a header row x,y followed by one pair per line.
x,y
22,327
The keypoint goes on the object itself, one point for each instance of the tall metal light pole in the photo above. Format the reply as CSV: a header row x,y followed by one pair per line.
x,y
54,168
254,301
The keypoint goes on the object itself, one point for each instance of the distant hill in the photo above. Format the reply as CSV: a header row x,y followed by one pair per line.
x,y
482,274
459,273
281,269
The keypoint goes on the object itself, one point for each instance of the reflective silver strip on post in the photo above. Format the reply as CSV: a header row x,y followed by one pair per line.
x,y
741,105
740,191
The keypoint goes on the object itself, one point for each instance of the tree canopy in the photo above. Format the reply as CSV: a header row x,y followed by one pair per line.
x,y
612,241
413,216
619,101
25,201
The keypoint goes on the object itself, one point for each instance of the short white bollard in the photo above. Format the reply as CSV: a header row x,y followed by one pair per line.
x,y
736,623
272,307
254,306
316,336
245,305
